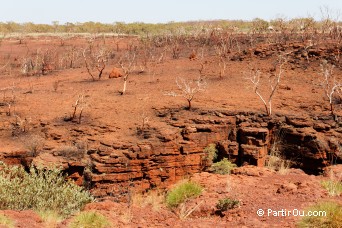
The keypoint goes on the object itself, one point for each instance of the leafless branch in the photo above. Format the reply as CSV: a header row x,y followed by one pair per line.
x,y
254,78
188,88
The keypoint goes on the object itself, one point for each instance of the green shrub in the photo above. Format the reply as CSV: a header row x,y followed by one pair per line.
x,y
334,188
222,167
89,219
211,153
6,222
333,218
226,204
40,190
182,192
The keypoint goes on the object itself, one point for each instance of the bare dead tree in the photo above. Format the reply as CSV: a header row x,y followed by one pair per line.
x,y
175,45
175,50
40,62
144,123
147,54
254,76
9,100
327,21
329,83
95,60
80,104
72,56
117,39
221,50
188,89
202,53
127,63
152,67
20,125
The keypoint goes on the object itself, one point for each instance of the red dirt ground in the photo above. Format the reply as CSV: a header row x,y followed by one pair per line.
x,y
111,115
255,188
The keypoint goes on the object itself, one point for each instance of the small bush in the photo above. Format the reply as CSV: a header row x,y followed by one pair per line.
x,y
6,222
334,188
77,151
226,204
34,143
333,218
89,219
276,162
211,153
222,167
41,190
50,218
155,199
180,193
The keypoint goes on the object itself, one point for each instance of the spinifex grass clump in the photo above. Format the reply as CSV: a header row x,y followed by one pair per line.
x,y
6,222
40,190
182,192
326,214
333,187
90,219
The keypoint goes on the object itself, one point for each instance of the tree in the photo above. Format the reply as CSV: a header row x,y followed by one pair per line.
x,y
55,25
188,89
329,83
259,25
127,63
221,50
254,78
95,60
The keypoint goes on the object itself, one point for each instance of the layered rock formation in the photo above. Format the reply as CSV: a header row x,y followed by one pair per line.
x,y
175,149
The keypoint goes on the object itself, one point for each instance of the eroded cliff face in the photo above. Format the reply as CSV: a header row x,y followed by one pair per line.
x,y
174,149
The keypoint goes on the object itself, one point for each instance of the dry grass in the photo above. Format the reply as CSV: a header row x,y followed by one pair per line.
x,y
275,159
6,222
276,162
333,218
34,143
154,199
127,216
333,185
185,211
89,219
50,218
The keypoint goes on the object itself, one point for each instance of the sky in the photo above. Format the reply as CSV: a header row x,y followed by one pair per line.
x,y
160,11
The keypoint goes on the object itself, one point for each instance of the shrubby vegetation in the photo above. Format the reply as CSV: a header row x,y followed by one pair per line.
x,y
226,204
211,153
333,187
183,191
89,219
256,25
222,167
40,190
6,222
333,218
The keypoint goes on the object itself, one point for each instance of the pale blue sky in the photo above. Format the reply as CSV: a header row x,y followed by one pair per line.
x,y
154,11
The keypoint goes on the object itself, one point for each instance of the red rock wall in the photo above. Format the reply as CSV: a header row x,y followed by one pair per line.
x,y
166,154
176,151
